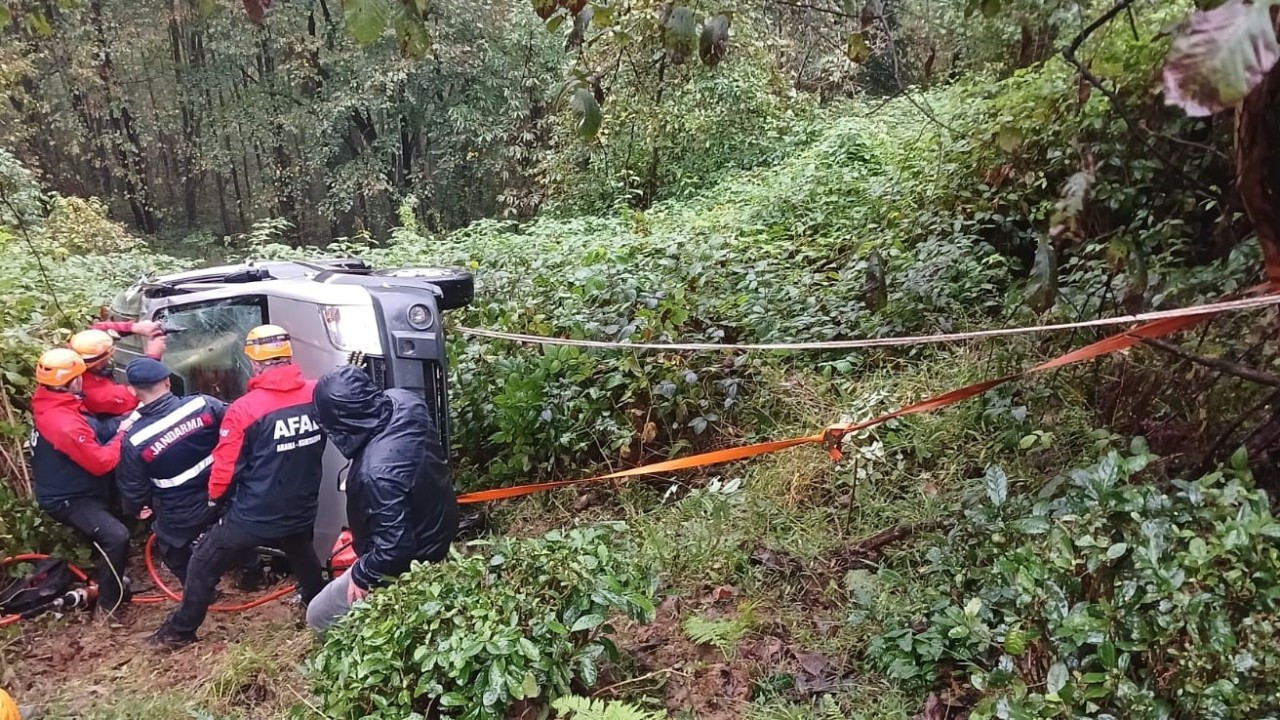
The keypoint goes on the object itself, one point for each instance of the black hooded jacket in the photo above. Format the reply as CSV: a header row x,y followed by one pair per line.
x,y
400,502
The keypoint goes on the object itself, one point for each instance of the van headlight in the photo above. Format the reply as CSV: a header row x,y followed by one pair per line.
x,y
352,327
420,317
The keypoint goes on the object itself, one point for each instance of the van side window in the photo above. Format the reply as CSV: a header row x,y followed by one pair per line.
x,y
206,345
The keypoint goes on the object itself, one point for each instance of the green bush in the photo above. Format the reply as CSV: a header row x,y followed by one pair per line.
x,y
1100,598
507,621
62,258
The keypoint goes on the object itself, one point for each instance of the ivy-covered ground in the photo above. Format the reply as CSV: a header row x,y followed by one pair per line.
x,y
1085,543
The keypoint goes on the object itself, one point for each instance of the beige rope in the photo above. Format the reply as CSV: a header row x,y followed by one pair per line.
x,y
1208,309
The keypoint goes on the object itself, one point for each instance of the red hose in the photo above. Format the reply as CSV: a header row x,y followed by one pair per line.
x,y
155,577
37,557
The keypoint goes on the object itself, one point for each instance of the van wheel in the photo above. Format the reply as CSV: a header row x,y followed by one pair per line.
x,y
457,285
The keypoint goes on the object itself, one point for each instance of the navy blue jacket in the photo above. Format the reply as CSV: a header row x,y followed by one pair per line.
x,y
400,502
72,455
269,457
165,461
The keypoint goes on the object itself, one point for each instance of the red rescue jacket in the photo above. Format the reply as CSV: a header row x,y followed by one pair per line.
x,y
102,395
271,447
67,460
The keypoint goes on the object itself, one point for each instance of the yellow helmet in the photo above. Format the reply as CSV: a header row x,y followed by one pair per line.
x,y
95,346
268,342
57,367
8,708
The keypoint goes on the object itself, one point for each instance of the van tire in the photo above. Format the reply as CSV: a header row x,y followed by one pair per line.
x,y
458,286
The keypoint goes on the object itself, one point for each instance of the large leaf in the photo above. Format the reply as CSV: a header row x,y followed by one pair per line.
x,y
581,22
584,103
1058,677
1136,282
681,34
1042,286
997,483
1070,206
366,19
857,48
1223,54
714,42
411,32
875,290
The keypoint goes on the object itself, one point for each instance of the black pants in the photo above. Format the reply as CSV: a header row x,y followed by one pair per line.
x,y
177,557
91,518
219,550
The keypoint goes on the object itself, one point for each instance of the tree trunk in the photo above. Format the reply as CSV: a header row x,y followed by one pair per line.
x,y
1258,166
1258,181
128,144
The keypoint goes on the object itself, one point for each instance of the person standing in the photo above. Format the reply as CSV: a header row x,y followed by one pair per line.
x,y
267,469
401,504
72,470
166,459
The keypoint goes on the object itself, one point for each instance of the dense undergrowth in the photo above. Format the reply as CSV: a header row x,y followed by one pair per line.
x,y
1100,594
1043,564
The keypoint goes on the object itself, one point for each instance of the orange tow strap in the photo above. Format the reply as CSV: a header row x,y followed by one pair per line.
x,y
833,436
714,457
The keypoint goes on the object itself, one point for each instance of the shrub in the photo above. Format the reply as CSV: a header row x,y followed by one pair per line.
x,y
508,621
62,259
1101,598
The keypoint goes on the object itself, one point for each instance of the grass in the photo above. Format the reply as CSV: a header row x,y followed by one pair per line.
x,y
777,530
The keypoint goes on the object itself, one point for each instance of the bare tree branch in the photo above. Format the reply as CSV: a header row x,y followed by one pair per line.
x,y
1140,133
1226,366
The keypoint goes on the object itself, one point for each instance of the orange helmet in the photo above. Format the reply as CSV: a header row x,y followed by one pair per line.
x,y
59,366
95,346
268,342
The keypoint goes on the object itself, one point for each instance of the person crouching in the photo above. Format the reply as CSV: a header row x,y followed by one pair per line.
x,y
72,470
401,505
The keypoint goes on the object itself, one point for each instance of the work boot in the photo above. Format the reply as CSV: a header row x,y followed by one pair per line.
x,y
115,611
166,638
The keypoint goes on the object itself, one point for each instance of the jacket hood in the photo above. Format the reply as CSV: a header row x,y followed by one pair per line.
x,y
281,377
350,408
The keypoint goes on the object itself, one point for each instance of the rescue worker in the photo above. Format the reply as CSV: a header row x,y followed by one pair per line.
x,y
401,505
166,459
72,470
102,395
267,468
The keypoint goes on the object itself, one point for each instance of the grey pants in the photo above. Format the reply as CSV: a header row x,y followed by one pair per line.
x,y
330,605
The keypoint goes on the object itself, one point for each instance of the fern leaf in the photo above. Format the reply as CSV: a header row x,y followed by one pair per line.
x,y
573,707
